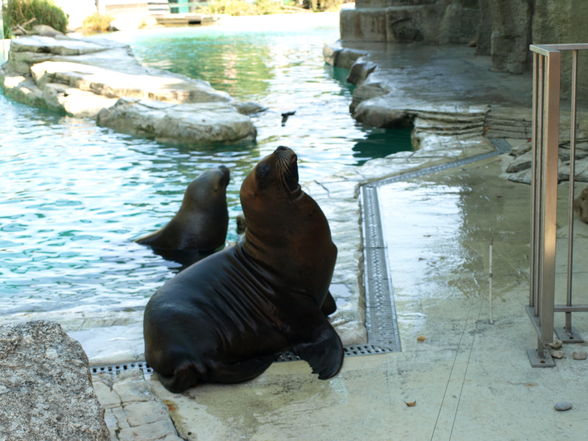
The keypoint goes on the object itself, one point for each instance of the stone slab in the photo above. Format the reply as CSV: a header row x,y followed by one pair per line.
x,y
191,124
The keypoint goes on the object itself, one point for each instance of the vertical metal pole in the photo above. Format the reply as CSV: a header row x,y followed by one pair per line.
x,y
490,277
532,285
549,196
568,314
537,170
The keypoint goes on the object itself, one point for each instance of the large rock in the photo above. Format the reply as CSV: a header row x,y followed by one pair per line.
x,y
45,387
113,84
87,77
56,46
192,124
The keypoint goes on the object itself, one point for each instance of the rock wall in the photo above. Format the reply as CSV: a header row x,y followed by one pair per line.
x,y
406,21
506,33
563,21
502,29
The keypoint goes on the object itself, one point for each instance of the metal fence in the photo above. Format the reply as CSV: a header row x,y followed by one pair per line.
x,y
545,144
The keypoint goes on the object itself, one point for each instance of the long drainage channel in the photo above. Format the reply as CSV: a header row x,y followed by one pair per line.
x,y
380,311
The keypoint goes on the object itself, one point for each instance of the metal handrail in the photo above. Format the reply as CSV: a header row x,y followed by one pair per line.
x,y
545,144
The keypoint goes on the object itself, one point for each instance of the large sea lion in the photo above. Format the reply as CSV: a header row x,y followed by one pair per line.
x,y
200,225
225,318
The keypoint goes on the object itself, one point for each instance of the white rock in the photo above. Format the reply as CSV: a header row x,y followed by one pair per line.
x,y
191,124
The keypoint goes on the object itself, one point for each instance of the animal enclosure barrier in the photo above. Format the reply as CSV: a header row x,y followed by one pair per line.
x,y
545,144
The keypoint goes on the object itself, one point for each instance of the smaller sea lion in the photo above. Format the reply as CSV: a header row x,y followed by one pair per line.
x,y
200,226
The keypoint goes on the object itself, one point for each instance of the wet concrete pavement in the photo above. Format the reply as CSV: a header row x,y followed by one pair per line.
x,y
440,74
463,372
460,376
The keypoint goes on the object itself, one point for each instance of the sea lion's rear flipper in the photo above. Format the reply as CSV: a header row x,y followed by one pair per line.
x,y
324,354
241,371
185,376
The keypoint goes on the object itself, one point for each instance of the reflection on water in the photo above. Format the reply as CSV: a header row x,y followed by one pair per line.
x,y
73,195
391,141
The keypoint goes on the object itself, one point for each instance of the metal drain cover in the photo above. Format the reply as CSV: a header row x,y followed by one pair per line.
x,y
116,369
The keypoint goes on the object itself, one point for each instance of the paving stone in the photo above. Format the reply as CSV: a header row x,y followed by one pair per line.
x,y
107,397
145,412
148,432
121,417
133,391
112,423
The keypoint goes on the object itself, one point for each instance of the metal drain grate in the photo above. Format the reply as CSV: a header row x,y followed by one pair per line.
x,y
116,369
380,311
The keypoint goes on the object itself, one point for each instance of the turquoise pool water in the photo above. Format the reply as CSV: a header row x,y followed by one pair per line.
x,y
73,196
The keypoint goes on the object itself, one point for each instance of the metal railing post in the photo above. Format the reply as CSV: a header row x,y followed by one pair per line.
x,y
569,335
545,179
549,196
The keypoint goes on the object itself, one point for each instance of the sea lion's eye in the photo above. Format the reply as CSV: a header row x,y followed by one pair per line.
x,y
262,171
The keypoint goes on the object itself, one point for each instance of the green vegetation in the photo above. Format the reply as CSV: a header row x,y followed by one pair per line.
x,y
27,13
96,23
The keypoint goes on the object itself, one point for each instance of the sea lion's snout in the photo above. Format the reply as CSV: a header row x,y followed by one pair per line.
x,y
225,175
284,152
288,161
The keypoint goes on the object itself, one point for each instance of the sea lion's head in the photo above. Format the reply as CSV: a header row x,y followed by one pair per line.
x,y
271,190
209,186
274,177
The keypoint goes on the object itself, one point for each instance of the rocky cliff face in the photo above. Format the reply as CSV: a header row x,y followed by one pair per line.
x,y
502,29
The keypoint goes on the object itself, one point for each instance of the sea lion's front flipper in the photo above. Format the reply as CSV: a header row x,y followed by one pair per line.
x,y
329,306
324,354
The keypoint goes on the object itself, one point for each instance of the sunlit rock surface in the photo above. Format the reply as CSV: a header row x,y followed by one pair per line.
x,y
178,123
45,386
82,77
